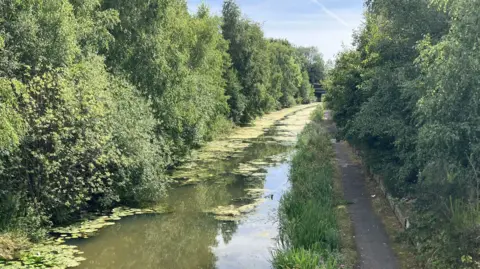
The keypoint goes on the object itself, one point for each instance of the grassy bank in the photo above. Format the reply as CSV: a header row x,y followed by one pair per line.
x,y
312,224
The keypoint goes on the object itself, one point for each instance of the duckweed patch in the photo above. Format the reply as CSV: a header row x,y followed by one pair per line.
x,y
88,228
244,205
207,162
52,253
233,212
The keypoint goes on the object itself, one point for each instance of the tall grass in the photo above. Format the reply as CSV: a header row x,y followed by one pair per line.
x,y
309,232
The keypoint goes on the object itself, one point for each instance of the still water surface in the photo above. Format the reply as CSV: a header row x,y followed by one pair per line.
x,y
188,238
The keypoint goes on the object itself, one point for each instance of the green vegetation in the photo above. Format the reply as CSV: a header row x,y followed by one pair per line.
x,y
407,96
99,97
309,224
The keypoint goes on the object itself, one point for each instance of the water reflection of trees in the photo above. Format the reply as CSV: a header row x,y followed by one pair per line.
x,y
228,229
183,239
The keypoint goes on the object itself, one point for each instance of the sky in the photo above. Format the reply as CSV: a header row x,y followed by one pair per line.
x,y
326,24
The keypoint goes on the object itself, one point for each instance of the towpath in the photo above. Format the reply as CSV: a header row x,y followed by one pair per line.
x,y
372,241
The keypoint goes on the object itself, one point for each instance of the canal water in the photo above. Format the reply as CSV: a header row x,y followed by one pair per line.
x,y
224,210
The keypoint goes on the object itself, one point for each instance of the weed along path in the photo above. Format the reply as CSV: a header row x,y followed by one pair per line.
x,y
223,208
372,241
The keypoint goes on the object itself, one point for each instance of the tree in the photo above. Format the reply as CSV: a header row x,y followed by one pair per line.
x,y
287,72
11,123
236,99
342,85
408,96
247,49
449,138
64,147
313,63
384,122
182,63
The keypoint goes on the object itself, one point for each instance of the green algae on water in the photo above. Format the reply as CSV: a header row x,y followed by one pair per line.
x,y
88,228
54,253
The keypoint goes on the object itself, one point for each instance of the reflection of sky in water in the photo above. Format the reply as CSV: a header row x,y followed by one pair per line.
x,y
254,238
191,239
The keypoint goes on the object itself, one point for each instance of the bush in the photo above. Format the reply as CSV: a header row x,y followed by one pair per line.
x,y
88,145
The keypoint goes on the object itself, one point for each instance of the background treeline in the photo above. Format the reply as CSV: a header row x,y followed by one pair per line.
x,y
408,95
99,97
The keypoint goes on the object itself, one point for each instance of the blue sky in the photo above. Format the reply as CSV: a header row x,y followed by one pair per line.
x,y
326,24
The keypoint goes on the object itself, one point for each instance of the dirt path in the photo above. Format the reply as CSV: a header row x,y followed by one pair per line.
x,y
372,241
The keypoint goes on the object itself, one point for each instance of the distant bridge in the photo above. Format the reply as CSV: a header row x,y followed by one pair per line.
x,y
319,91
